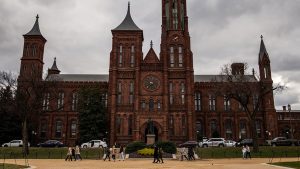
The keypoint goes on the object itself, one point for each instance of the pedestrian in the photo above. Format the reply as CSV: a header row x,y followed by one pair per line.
x,y
107,153
122,153
160,155
191,153
155,155
114,152
248,153
244,150
73,153
69,154
77,153
183,153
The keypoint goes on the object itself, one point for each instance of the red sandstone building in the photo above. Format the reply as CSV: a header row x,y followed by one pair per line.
x,y
161,87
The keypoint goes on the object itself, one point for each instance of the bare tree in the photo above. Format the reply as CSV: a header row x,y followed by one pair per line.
x,y
247,91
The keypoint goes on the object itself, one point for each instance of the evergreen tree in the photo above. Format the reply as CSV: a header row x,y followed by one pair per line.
x,y
92,114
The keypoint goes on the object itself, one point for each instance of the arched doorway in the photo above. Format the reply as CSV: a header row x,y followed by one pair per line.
x,y
147,132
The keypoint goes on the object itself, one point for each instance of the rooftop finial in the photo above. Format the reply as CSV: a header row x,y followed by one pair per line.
x,y
262,37
54,59
129,5
37,16
151,44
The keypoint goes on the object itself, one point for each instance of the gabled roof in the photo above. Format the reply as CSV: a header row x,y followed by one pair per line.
x,y
36,28
128,23
151,56
78,77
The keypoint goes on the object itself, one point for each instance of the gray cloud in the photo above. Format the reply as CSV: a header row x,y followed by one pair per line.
x,y
78,34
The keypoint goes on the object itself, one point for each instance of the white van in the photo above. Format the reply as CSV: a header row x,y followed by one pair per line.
x,y
94,144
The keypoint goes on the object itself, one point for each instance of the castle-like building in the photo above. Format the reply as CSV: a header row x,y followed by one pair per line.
x,y
161,87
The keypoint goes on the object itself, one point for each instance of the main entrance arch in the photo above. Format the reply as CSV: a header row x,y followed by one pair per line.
x,y
157,131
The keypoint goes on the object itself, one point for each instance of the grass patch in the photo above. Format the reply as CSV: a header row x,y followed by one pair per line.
x,y
236,152
48,153
295,165
11,166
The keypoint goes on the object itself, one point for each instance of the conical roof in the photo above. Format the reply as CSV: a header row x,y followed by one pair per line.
x,y
128,23
263,51
54,66
36,28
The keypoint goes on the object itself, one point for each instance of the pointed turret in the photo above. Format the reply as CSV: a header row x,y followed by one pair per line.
x,y
36,28
128,23
263,51
53,69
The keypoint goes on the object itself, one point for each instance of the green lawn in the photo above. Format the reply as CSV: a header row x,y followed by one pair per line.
x,y
11,166
295,165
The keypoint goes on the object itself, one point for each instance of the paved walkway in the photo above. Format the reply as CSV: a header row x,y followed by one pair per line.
x,y
258,163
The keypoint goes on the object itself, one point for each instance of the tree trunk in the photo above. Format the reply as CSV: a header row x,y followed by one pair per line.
x,y
254,136
25,138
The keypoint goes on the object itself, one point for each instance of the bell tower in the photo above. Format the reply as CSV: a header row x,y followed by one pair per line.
x,y
177,59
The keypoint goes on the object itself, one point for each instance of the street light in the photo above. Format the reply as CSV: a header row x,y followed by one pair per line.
x,y
292,132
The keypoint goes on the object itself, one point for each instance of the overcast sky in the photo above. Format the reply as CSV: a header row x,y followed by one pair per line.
x,y
222,31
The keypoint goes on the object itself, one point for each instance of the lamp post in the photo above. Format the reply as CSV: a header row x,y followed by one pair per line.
x,y
291,127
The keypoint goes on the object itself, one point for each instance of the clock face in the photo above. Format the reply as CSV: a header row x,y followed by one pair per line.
x,y
151,83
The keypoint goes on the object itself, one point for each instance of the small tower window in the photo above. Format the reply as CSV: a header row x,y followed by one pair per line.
x,y
265,72
175,14
151,105
171,56
119,93
60,101
132,56
131,93
74,101
120,56
180,56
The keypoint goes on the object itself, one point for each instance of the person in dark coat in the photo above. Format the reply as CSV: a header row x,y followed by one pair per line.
x,y
160,155
73,153
155,155
107,152
191,153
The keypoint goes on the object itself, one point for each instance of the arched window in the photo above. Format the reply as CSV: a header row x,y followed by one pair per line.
x,y
118,124
212,102
132,56
73,128
243,129
172,56
180,56
214,129
130,123
151,105
119,93
198,101
183,121
199,129
258,128
74,101
171,125
34,50
120,55
60,101
46,101
58,128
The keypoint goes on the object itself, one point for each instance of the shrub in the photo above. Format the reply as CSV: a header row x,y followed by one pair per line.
x,y
168,147
146,151
134,146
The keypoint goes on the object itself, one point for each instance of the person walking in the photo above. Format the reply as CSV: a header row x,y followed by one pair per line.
x,y
191,153
114,152
77,153
183,153
122,153
155,155
244,150
69,154
248,153
73,153
160,155
107,153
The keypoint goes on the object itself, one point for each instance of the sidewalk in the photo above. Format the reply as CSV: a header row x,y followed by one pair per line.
x,y
258,163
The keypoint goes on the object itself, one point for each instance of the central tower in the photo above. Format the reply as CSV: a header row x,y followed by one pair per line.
x,y
177,59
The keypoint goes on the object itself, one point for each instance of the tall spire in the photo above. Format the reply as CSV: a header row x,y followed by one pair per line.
x,y
262,51
36,28
128,23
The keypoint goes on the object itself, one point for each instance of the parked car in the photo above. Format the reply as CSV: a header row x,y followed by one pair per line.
x,y
51,143
283,141
247,141
230,143
213,142
189,144
14,143
94,144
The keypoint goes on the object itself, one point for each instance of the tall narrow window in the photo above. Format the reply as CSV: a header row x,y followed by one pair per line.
x,y
265,72
243,130
255,101
198,101
212,103
118,124
120,56
60,101
143,105
172,57
73,128
183,124
105,102
119,93
182,90
27,50
158,105
130,123
171,99
228,129
58,128
46,100
199,129
167,7
43,128
175,14
226,103
258,128
180,56
132,56
34,50
182,15
151,105
131,93
171,125
74,101
214,128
